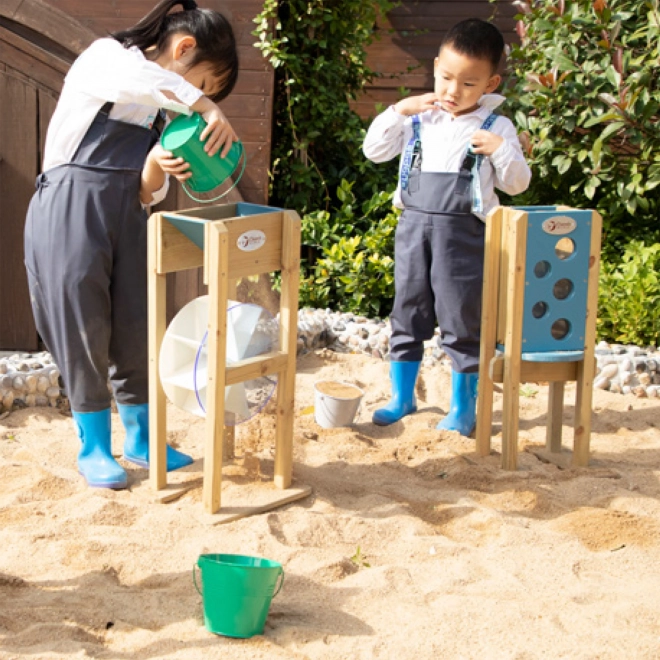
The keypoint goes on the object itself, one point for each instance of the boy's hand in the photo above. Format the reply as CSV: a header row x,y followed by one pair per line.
x,y
413,105
218,132
485,142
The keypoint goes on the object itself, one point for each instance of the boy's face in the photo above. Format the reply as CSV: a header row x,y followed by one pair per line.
x,y
461,80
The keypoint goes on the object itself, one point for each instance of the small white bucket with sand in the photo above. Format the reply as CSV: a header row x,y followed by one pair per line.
x,y
336,403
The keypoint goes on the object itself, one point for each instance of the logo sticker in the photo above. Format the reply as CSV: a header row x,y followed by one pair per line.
x,y
251,240
560,224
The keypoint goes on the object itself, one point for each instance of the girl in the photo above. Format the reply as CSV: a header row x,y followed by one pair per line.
x,y
86,229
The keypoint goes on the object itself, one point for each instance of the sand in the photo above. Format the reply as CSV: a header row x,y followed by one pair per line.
x,y
410,546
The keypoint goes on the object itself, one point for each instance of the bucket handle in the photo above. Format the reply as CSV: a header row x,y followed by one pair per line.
x,y
221,195
280,577
199,591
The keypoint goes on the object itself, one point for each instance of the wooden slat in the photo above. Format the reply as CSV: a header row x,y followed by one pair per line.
x,y
490,292
587,368
555,417
516,243
19,144
157,303
286,386
28,68
535,372
217,245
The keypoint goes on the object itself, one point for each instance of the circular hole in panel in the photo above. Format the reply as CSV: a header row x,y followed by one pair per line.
x,y
562,288
542,269
560,329
564,248
539,310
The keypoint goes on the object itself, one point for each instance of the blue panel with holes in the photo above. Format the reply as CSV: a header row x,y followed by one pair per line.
x,y
556,278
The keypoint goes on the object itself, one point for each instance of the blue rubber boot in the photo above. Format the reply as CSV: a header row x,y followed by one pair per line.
x,y
403,376
95,460
135,419
462,415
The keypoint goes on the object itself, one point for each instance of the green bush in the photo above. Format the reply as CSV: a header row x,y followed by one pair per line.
x,y
318,51
584,89
353,272
629,297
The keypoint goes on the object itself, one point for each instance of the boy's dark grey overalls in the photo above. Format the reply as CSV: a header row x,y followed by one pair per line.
x,y
85,253
438,261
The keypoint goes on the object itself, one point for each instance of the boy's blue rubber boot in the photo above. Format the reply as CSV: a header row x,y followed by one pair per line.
x,y
136,447
404,377
95,460
462,415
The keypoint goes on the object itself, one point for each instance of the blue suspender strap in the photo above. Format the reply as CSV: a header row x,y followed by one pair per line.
x,y
477,201
413,148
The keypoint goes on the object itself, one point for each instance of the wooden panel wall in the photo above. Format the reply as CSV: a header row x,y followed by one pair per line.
x,y
410,38
248,108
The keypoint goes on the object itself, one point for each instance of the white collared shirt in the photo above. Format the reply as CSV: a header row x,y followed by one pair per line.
x,y
107,71
445,140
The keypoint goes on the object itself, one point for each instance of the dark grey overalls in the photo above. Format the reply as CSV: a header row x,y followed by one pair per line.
x,y
85,253
438,262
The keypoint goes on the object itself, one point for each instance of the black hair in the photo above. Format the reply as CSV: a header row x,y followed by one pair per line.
x,y
216,44
476,38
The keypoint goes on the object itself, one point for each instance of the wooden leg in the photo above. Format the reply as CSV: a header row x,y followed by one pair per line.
x,y
516,243
157,292
488,330
286,385
555,416
216,242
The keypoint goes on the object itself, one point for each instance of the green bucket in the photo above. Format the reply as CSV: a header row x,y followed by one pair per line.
x,y
236,592
182,137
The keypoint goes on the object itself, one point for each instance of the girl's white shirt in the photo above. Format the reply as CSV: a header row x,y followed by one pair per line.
x,y
445,140
107,71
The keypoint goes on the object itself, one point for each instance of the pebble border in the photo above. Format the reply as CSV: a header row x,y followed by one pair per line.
x,y
32,379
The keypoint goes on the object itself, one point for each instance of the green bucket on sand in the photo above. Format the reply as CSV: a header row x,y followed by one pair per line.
x,y
182,137
236,592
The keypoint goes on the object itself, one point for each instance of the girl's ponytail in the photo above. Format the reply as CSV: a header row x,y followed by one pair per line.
x,y
216,44
147,31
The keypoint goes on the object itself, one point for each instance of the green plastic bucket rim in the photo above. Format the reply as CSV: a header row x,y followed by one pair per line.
x,y
274,564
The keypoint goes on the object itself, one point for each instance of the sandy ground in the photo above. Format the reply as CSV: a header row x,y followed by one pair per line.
x,y
409,547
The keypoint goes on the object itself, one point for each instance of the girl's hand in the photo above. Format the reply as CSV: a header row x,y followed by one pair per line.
x,y
169,163
159,163
218,133
485,142
413,105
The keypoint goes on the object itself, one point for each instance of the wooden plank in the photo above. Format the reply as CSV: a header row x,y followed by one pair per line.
x,y
216,244
516,242
555,417
58,26
286,384
175,251
488,329
19,145
47,103
535,372
28,68
255,367
587,367
157,324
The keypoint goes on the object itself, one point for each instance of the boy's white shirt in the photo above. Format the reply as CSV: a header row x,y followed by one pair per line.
x,y
445,140
107,71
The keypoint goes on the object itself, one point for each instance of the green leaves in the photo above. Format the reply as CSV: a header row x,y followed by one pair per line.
x,y
318,50
629,297
584,86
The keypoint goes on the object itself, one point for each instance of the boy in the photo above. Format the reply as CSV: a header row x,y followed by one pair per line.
x,y
454,152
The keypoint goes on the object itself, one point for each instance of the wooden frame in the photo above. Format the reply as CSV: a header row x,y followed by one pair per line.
x,y
224,263
502,323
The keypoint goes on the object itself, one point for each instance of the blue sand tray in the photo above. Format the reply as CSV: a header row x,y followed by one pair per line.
x,y
193,227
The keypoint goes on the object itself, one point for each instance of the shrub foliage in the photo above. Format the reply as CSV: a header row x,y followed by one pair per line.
x,y
584,88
